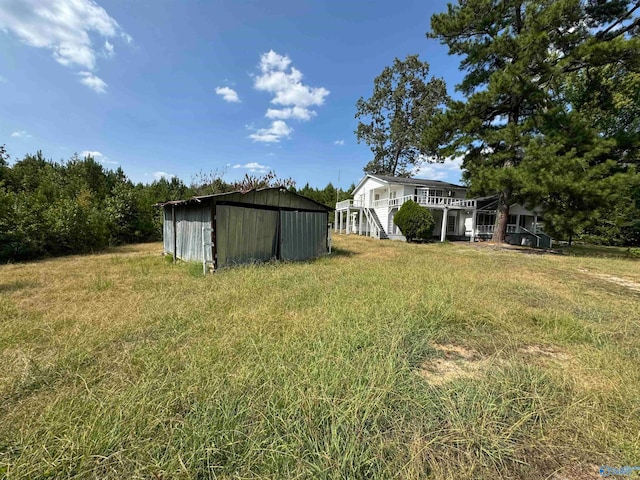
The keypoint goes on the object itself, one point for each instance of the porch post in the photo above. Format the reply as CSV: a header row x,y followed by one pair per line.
x,y
348,220
335,222
360,222
473,225
443,231
517,222
535,223
342,221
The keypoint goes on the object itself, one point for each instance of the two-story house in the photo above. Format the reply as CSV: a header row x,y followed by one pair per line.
x,y
377,198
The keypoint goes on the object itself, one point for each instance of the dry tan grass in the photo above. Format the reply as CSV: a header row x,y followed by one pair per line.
x,y
123,365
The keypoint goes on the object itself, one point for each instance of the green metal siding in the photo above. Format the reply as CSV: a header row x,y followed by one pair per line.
x,y
245,235
303,234
248,227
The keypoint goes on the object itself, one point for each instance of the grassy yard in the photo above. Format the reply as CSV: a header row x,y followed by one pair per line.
x,y
384,360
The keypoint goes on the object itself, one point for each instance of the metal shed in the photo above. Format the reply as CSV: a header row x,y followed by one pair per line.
x,y
229,229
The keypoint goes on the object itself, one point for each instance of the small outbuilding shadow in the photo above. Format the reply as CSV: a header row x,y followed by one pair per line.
x,y
341,252
17,285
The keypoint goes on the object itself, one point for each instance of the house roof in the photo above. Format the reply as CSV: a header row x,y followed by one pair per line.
x,y
416,181
201,198
421,182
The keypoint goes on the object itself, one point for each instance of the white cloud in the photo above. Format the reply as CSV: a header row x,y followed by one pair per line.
x,y
272,61
98,156
65,27
339,142
160,175
20,134
450,170
284,82
91,153
273,134
253,167
287,87
299,113
3,79
93,82
228,94
108,49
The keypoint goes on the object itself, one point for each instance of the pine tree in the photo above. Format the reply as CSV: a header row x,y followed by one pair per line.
x,y
517,55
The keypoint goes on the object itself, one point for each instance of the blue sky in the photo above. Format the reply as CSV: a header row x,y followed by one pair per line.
x,y
177,87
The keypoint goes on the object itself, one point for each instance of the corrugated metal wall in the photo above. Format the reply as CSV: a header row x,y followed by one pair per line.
x,y
249,233
304,234
167,231
245,235
190,221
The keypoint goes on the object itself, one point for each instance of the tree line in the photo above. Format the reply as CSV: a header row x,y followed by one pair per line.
x,y
76,206
548,111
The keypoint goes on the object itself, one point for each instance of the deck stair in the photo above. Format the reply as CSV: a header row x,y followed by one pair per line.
x,y
375,226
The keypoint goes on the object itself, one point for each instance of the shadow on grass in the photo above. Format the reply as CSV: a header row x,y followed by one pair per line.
x,y
18,285
341,252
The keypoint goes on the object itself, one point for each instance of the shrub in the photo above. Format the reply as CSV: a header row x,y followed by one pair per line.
x,y
414,221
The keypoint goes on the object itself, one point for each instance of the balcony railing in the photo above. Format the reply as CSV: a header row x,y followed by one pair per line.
x,y
424,200
489,229
348,203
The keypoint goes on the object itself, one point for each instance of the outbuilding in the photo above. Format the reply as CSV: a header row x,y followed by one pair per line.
x,y
234,228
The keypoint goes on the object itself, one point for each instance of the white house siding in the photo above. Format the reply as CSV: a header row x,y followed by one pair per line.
x,y
367,188
383,216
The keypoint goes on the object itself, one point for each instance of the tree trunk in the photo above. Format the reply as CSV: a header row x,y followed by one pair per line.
x,y
502,218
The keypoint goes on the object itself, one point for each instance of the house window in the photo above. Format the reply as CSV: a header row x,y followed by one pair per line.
x,y
435,193
376,196
451,224
513,219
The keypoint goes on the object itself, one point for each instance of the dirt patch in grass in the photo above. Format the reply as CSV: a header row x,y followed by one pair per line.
x,y
456,361
578,472
630,284
505,247
546,352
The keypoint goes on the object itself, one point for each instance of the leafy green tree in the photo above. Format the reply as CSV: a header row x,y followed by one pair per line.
x,y
403,102
415,222
123,215
10,239
517,55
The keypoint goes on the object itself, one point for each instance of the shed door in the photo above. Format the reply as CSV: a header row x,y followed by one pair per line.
x,y
303,234
245,235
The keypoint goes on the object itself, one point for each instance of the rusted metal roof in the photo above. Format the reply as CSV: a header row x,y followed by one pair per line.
x,y
204,198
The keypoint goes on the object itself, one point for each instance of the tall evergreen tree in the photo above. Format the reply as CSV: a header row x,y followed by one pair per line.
x,y
517,55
